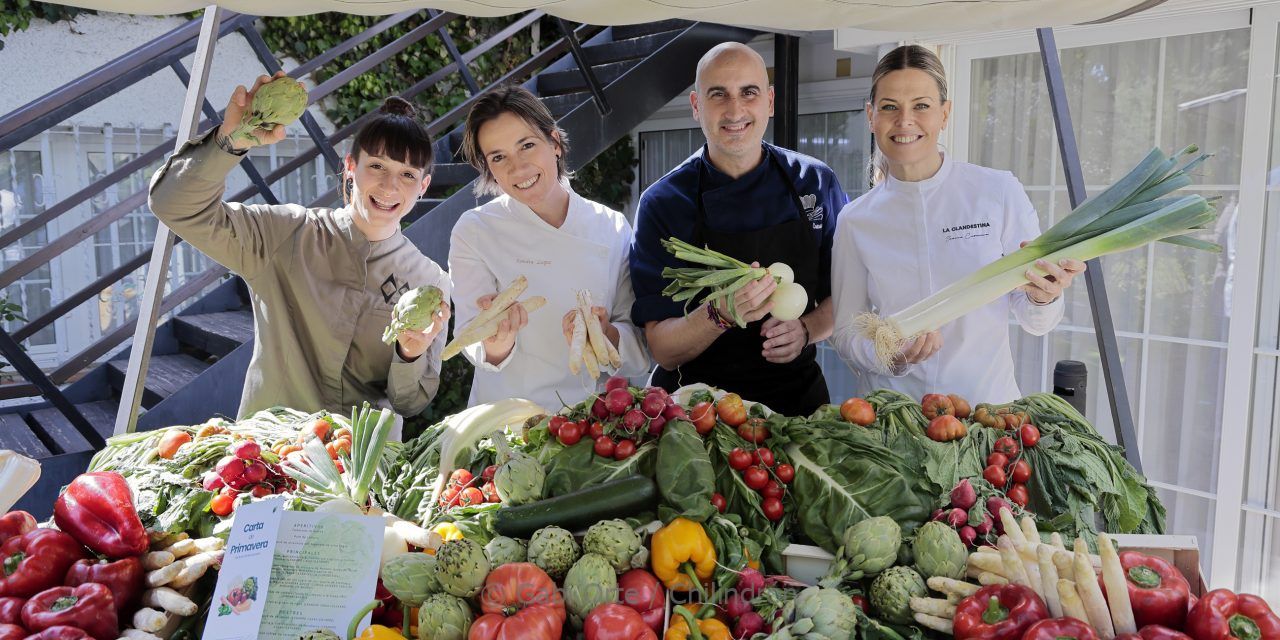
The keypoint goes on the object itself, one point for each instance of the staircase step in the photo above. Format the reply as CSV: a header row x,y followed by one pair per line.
x,y
628,31
561,82
629,49
101,414
16,435
166,374
452,173
215,333
562,104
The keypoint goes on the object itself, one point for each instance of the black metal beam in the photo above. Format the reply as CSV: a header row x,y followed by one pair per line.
x,y
28,369
309,123
786,91
472,87
1103,325
589,75
216,118
105,81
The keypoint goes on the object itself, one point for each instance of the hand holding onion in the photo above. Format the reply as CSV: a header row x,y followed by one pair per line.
x,y
743,292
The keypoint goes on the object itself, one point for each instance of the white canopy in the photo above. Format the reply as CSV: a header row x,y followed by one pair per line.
x,y
803,15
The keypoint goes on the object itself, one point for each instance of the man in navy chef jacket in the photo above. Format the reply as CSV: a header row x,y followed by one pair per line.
x,y
758,203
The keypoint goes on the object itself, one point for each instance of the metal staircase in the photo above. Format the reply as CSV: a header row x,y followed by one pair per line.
x,y
600,83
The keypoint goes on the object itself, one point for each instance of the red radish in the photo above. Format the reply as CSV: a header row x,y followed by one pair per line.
x,y
232,470
618,401
957,517
634,420
675,411
653,405
940,514
246,450
656,426
968,535
598,409
995,504
748,625
964,496
719,502
737,605
750,582
615,382
660,392
255,471
261,491
489,472
212,481
986,525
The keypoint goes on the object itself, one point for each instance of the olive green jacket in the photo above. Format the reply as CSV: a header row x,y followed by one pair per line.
x,y
322,292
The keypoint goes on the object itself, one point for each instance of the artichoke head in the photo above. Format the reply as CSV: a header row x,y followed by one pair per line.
x,y
869,547
279,102
554,550
614,540
519,478
939,551
444,617
410,577
503,550
590,583
892,591
461,568
413,311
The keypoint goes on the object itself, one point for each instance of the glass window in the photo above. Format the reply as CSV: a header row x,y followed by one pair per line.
x,y
21,198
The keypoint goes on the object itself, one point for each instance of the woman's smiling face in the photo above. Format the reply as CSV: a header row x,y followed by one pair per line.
x,y
907,116
383,190
523,162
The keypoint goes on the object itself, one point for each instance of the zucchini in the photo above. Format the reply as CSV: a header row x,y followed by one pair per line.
x,y
584,507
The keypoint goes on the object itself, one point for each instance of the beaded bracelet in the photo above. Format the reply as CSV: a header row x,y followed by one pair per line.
x,y
719,320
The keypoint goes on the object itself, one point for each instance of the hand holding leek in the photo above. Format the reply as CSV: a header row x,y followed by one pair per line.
x,y
1131,213
726,278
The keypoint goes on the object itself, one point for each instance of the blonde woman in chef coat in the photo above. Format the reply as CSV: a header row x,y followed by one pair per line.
x,y
931,220
539,228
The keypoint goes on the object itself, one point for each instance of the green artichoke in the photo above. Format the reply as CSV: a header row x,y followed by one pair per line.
x,y
413,311
519,477
867,548
554,550
411,577
615,540
444,617
892,591
503,550
461,568
821,614
938,551
279,102
590,583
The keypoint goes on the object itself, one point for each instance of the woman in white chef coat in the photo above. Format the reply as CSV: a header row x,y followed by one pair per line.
x,y
931,220
539,228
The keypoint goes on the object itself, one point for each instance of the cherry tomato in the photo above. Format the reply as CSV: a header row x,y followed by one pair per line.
x,y
1029,434
489,472
773,490
756,477
718,502
755,431
995,475
731,410
624,449
763,456
472,495
772,508
998,460
739,459
460,478
785,472
703,416
490,492
553,427
450,496
1008,446
1021,472
340,446
596,430
570,433
1018,494
222,505
605,446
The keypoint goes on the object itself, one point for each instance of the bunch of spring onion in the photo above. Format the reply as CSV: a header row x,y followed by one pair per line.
x,y
1129,214
724,276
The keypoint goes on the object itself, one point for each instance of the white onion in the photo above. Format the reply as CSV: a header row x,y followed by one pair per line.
x,y
782,272
789,301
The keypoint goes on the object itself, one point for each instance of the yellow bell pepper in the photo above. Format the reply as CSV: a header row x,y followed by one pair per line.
x,y
707,628
379,632
682,555
448,531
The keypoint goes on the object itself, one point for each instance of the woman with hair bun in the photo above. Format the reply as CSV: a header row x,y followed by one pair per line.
x,y
931,220
323,281
539,228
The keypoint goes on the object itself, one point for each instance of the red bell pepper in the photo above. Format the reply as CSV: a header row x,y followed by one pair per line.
x,y
123,577
641,591
12,632
11,610
1157,590
1158,632
61,632
617,622
1221,614
998,612
89,607
97,509
16,523
1060,629
35,561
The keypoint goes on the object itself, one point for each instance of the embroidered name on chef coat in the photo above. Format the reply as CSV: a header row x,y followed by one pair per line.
x,y
972,230
812,209
392,288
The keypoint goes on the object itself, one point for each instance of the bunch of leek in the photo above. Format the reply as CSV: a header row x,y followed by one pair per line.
x,y
1129,214
724,276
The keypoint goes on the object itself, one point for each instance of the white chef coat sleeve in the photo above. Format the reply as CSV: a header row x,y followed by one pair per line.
x,y
1022,224
631,344
472,278
850,298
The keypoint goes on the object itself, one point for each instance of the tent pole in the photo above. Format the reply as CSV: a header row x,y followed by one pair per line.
x,y
162,250
1103,325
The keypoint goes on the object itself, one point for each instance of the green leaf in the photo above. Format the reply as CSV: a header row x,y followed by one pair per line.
x,y
685,476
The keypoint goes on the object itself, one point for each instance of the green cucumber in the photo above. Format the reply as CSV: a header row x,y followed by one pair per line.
x,y
584,507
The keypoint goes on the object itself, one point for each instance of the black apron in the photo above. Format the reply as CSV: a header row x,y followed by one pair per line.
x,y
735,362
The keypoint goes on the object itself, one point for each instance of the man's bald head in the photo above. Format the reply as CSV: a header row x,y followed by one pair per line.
x,y
734,54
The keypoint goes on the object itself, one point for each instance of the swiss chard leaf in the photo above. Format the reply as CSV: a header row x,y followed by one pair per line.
x,y
686,479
